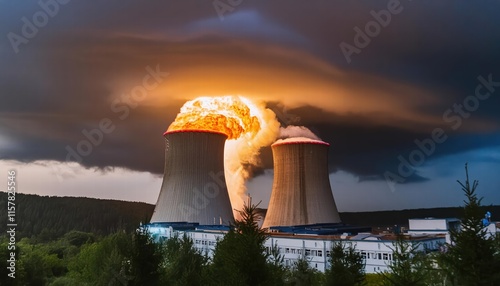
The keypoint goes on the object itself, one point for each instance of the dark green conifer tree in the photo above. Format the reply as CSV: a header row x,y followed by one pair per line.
x,y
347,266
240,257
472,259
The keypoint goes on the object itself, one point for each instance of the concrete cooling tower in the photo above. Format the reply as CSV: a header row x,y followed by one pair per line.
x,y
194,188
301,191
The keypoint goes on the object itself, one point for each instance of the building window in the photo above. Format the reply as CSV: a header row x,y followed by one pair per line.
x,y
320,253
363,254
328,253
314,253
385,256
308,252
293,250
287,250
379,256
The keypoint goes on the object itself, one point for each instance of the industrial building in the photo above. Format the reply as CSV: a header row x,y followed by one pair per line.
x,y
302,218
431,225
314,242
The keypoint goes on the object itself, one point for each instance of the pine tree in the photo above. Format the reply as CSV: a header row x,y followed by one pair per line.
x,y
347,266
472,259
240,258
409,266
277,270
302,273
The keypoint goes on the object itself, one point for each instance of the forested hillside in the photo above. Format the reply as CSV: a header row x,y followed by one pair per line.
x,y
52,217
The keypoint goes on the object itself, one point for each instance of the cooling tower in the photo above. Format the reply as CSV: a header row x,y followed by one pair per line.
x,y
301,191
194,188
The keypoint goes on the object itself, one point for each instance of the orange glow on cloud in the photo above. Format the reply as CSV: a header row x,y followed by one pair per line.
x,y
293,77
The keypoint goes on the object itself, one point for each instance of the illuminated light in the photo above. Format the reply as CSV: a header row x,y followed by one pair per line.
x,y
231,115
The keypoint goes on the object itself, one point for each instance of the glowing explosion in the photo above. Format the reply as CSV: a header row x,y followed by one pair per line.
x,y
248,125
228,114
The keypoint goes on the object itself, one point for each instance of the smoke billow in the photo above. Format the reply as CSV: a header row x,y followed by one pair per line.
x,y
292,131
297,134
242,154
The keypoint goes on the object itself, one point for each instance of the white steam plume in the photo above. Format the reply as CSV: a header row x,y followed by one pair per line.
x,y
297,134
292,131
242,154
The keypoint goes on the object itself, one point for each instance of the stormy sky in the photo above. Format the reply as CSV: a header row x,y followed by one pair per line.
x,y
406,92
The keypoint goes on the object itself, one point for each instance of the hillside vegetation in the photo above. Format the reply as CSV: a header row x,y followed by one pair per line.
x,y
51,217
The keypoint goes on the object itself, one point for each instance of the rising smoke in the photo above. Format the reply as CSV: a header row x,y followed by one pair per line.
x,y
242,155
293,133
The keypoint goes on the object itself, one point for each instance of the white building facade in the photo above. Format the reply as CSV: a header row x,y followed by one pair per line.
x,y
377,250
443,226
430,226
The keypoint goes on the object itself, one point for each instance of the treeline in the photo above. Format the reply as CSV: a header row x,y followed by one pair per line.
x,y
48,218
400,217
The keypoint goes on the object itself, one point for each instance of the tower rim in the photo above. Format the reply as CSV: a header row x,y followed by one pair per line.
x,y
318,142
193,131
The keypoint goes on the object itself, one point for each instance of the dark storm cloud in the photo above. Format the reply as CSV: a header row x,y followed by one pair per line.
x,y
371,110
368,150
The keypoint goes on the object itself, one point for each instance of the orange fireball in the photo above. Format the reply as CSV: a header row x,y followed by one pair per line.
x,y
231,115
249,124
